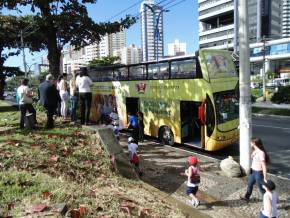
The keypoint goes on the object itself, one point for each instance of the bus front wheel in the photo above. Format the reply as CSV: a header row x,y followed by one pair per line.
x,y
166,136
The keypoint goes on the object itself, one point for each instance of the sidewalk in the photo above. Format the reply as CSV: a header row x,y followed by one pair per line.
x,y
268,104
219,195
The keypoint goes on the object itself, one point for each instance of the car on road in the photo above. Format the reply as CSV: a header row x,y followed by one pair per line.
x,y
256,85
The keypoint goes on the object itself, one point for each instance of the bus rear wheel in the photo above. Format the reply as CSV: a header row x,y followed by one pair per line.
x,y
166,136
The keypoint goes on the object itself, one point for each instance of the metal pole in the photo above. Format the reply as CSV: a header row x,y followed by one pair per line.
x,y
236,23
264,70
245,97
259,20
23,53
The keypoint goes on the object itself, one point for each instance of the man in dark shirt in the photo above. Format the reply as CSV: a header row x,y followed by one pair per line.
x,y
49,98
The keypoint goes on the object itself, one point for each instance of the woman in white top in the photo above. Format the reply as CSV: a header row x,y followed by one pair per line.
x,y
270,200
84,84
258,169
64,96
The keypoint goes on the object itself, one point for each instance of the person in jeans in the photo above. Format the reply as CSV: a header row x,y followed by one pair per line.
x,y
25,101
73,97
84,84
258,169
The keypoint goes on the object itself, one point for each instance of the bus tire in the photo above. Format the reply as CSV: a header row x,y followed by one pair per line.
x,y
166,136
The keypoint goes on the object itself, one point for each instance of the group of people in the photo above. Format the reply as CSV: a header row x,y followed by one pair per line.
x,y
258,175
53,93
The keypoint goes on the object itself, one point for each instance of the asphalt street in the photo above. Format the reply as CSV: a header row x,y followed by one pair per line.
x,y
275,133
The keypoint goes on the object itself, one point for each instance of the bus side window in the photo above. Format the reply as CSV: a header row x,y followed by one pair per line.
x,y
137,72
183,69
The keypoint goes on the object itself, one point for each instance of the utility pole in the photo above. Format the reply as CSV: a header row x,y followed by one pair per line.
x,y
264,70
23,53
236,23
245,95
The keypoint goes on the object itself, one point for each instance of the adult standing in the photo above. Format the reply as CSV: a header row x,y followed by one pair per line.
x,y
73,97
25,101
84,84
258,169
64,96
133,124
49,98
141,125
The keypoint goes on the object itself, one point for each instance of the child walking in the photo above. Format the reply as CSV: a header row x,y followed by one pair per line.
x,y
133,156
269,200
193,180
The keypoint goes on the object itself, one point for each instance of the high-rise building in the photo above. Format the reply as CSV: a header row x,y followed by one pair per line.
x,y
217,27
264,19
177,48
112,42
74,59
285,18
129,55
151,30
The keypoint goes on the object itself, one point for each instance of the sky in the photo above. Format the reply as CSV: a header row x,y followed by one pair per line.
x,y
181,22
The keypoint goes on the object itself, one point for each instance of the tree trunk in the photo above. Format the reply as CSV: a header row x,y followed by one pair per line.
x,y
54,54
54,50
2,76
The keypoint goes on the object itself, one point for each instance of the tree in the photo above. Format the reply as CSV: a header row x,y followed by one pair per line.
x,y
9,39
104,61
66,21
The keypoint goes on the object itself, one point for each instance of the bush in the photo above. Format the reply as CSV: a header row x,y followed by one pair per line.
x,y
282,96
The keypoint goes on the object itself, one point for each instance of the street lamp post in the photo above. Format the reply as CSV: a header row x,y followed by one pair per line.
x,y
264,70
156,19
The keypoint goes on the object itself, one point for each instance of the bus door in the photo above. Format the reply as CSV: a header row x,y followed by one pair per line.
x,y
132,106
190,123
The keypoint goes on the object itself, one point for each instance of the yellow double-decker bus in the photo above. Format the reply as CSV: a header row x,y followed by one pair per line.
x,y
189,99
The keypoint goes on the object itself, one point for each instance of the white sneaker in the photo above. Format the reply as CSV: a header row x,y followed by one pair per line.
x,y
196,203
193,203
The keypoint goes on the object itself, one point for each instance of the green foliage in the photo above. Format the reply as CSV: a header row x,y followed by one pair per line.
x,y
65,22
282,95
257,93
104,61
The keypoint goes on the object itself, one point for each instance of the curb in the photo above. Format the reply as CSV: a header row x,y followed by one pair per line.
x,y
271,116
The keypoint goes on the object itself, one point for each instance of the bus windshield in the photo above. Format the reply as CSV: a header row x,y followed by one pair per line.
x,y
227,106
219,65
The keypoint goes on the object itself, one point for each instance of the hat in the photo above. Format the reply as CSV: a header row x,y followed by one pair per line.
x,y
49,77
270,185
130,139
192,160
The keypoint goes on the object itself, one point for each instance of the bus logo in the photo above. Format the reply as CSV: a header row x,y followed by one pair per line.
x,y
141,88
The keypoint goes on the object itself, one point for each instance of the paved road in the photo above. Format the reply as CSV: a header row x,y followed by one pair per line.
x,y
275,133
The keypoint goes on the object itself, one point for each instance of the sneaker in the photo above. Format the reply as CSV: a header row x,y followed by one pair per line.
x,y
196,203
193,203
244,198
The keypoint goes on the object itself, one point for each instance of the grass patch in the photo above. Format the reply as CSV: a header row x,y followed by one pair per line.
x,y
271,111
73,168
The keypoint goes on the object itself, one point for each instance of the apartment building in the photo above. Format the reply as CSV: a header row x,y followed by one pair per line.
x,y
217,27
176,48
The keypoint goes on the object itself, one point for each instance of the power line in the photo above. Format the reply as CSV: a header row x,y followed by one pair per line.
x,y
124,10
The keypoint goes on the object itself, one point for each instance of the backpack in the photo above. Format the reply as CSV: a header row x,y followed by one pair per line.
x,y
195,178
